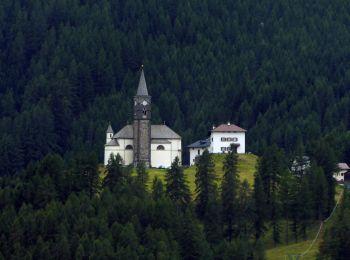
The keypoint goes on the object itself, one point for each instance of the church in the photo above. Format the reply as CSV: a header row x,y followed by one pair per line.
x,y
154,145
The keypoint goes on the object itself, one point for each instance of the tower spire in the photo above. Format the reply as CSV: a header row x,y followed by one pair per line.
x,y
142,88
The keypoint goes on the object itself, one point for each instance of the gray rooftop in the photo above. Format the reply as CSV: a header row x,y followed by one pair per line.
x,y
109,129
157,132
160,141
113,142
200,144
142,88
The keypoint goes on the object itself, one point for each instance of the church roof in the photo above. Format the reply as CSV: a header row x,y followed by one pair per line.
x,y
109,129
163,131
157,132
126,132
200,144
228,128
160,141
113,142
142,88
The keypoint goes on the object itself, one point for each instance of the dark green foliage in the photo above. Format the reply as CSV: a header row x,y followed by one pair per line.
x,y
260,207
319,192
142,174
176,186
205,183
336,244
69,67
229,190
86,173
157,189
272,168
115,172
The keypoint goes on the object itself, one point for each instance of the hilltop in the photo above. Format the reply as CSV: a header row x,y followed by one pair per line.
x,y
246,167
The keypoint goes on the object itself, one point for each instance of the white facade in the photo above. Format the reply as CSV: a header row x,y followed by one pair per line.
x,y
340,173
124,149
221,141
194,152
165,146
163,154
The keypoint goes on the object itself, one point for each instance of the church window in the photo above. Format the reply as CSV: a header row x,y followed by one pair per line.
x,y
144,111
160,147
128,147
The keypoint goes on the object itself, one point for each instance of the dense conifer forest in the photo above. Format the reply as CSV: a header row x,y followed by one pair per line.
x,y
280,69
277,68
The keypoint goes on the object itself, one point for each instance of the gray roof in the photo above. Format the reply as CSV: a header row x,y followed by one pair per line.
x,y
162,131
157,132
200,144
113,142
142,88
110,129
126,132
160,141
343,166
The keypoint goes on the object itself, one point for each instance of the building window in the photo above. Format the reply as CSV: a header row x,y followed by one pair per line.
x,y
199,152
128,147
144,111
160,147
223,139
229,139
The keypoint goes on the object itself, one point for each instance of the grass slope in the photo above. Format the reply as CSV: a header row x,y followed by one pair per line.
x,y
281,251
246,168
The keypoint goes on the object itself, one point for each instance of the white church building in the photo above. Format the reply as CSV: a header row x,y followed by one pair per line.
x,y
154,145
219,141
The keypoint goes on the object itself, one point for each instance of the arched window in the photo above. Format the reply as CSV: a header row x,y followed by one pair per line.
x,y
160,147
128,147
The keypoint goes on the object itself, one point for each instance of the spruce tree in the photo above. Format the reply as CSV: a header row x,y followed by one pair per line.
x,y
260,207
229,188
115,172
205,183
142,174
176,185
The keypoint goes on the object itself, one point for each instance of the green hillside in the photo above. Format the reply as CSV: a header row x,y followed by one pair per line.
x,y
277,68
246,168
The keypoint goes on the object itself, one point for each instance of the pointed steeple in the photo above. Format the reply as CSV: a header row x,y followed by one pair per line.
x,y
109,129
142,88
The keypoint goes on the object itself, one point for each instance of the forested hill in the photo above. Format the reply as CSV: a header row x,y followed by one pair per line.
x,y
278,68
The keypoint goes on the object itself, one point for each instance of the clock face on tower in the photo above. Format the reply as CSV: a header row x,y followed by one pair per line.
x,y
142,108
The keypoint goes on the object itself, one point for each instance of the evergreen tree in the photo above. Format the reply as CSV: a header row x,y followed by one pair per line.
x,y
205,183
229,189
142,174
157,189
176,186
259,206
115,172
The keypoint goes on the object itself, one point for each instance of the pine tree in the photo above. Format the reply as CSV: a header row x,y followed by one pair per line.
x,y
176,186
115,172
157,189
142,174
229,188
259,206
205,183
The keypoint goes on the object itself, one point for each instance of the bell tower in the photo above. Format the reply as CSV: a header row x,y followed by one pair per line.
x,y
142,123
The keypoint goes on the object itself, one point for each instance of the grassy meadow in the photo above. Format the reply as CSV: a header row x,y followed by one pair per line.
x,y
246,169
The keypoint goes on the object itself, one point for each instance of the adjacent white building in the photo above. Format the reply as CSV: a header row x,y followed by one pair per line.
x,y
220,141
342,169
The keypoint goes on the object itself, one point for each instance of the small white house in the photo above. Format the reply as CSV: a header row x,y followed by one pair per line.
x,y
339,174
220,141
